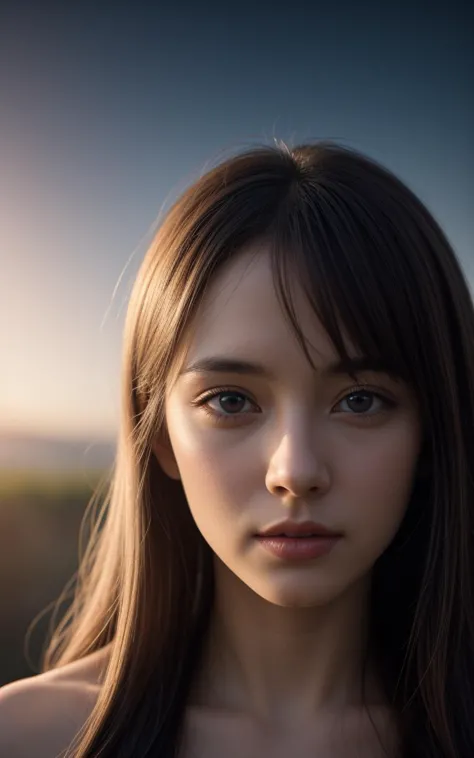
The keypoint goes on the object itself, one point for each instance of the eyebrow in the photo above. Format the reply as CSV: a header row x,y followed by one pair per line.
x,y
224,365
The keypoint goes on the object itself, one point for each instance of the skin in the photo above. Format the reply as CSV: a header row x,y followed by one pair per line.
x,y
286,639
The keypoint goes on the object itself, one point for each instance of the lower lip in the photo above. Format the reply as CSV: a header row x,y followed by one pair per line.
x,y
298,548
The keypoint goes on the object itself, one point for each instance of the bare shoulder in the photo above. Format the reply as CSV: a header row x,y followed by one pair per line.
x,y
40,715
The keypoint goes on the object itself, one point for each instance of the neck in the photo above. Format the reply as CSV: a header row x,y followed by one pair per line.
x,y
276,663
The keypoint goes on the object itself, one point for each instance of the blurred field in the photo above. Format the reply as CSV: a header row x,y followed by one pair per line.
x,y
20,483
40,518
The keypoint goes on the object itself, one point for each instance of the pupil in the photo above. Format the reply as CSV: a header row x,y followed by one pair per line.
x,y
233,395
359,399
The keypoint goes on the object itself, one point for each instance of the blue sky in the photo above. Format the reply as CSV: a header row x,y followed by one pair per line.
x,y
109,111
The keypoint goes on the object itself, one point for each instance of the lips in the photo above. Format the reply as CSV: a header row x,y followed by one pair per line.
x,y
302,548
298,529
297,536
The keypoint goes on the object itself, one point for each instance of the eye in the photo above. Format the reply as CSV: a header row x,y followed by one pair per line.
x,y
362,400
223,394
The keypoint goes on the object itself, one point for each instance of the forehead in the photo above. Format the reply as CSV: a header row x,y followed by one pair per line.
x,y
240,312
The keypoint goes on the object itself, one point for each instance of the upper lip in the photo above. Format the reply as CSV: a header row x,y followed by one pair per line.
x,y
298,528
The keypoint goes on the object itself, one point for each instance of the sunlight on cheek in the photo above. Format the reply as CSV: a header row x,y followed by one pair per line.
x,y
224,476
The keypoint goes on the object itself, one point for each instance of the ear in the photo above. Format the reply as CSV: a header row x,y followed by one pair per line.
x,y
163,452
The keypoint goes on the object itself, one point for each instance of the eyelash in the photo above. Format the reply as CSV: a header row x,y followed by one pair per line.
x,y
221,418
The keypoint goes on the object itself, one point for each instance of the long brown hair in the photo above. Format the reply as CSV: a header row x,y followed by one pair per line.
x,y
377,267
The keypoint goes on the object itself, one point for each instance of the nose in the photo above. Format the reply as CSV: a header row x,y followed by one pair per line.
x,y
298,468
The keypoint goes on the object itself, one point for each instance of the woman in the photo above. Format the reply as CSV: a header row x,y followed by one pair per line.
x,y
298,359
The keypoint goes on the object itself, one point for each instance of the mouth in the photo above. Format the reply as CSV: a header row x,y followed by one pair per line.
x,y
298,530
298,536
297,548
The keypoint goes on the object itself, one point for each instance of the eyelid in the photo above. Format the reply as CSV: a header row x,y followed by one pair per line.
x,y
209,394
359,387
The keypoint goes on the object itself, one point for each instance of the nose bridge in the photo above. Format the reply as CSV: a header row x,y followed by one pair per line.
x,y
299,459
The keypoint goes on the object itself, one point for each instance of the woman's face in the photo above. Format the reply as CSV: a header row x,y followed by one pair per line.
x,y
289,443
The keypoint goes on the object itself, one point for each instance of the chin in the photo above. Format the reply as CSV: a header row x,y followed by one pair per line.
x,y
301,597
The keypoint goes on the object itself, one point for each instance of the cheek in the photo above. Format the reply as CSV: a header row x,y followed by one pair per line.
x,y
379,477
372,475
211,476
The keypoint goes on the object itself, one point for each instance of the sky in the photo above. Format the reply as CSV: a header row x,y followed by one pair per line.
x,y
108,111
